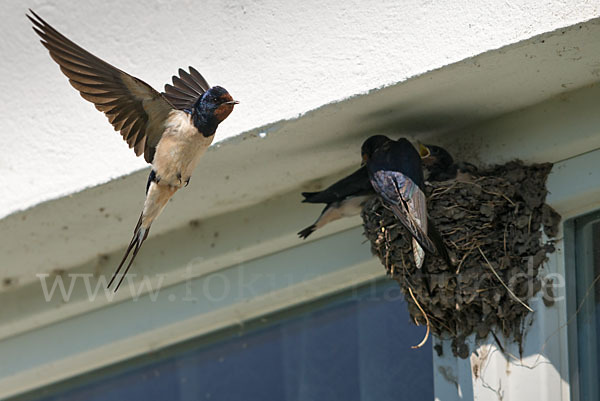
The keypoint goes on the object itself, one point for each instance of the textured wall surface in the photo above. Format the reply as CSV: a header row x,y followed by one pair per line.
x,y
279,60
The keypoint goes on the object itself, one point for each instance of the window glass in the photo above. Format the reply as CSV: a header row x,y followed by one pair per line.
x,y
585,306
356,346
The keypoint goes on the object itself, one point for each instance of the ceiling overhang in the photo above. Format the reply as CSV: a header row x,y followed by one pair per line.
x,y
282,156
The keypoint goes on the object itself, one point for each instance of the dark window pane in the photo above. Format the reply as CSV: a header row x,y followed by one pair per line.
x,y
585,374
356,347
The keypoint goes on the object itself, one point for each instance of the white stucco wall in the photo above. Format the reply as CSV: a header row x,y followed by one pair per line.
x,y
279,59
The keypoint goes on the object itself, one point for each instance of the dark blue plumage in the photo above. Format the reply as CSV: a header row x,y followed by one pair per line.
x,y
396,174
205,113
388,155
344,198
355,184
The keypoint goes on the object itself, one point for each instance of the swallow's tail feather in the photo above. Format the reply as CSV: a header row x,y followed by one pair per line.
x,y
307,231
157,197
139,236
308,196
440,247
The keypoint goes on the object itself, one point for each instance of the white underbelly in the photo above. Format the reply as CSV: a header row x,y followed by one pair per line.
x,y
179,150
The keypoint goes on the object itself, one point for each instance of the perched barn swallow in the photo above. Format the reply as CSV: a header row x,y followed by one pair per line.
x,y
345,198
172,129
441,166
396,174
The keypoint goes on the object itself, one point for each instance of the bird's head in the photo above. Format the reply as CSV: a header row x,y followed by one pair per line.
x,y
215,104
432,155
371,145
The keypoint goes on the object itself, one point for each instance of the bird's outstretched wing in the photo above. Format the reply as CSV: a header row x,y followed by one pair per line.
x,y
355,184
131,105
187,88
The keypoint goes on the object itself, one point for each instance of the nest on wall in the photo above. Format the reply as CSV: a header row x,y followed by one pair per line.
x,y
491,225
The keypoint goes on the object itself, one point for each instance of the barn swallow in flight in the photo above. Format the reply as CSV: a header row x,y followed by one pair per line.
x,y
441,166
172,129
345,198
396,174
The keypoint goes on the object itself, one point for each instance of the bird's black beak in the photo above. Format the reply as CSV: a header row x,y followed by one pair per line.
x,y
232,102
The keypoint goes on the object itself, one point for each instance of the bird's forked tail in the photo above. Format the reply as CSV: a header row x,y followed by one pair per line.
x,y
307,231
139,236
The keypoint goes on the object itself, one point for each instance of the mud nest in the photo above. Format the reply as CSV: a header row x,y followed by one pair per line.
x,y
491,224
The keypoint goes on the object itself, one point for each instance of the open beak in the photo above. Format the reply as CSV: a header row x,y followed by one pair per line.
x,y
232,102
424,151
